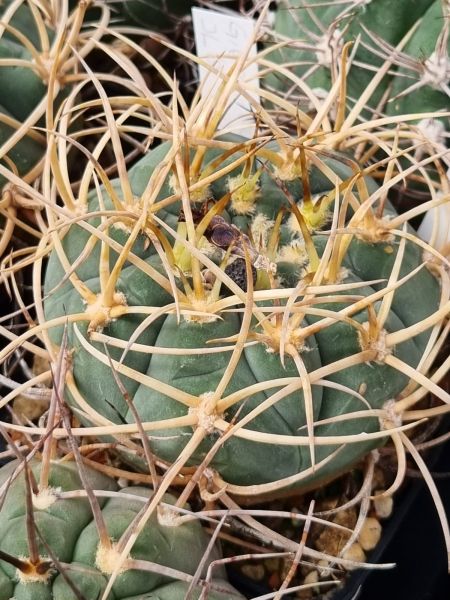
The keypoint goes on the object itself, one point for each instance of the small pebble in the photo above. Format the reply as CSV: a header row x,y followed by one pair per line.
x,y
356,554
370,534
312,577
383,506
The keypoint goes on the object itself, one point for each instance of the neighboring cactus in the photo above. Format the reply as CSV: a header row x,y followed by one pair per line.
x,y
41,45
422,77
314,37
42,48
52,547
31,38
154,14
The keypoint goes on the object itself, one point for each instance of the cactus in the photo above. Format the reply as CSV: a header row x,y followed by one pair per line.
x,y
237,318
154,13
153,288
63,554
28,48
173,381
425,59
419,30
41,45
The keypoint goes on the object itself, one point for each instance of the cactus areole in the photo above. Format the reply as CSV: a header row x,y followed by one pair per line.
x,y
288,360
51,549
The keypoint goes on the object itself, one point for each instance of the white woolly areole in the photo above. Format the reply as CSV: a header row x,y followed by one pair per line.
x,y
379,345
205,417
328,47
294,252
198,195
244,193
167,517
33,576
433,130
436,71
391,418
99,314
108,558
290,168
203,306
260,228
127,224
45,498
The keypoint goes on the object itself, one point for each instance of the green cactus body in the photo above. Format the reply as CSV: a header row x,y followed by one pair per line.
x,y
22,21
67,526
27,151
181,371
433,93
343,22
22,88
154,13
178,590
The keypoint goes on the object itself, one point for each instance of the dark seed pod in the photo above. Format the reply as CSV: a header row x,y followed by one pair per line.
x,y
223,235
238,273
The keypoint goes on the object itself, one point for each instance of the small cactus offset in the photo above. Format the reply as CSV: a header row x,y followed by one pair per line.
x,y
56,546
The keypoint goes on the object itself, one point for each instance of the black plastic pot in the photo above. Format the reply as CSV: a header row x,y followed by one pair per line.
x,y
412,538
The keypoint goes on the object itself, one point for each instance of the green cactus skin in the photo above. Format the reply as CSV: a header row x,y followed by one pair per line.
x,y
67,527
177,591
26,153
388,20
239,461
23,21
21,88
429,97
155,14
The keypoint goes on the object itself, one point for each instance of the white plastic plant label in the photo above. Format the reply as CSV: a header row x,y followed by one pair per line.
x,y
435,227
220,39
